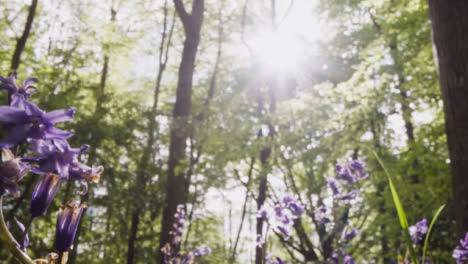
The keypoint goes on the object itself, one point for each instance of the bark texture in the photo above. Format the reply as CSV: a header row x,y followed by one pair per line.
x,y
21,42
449,27
176,182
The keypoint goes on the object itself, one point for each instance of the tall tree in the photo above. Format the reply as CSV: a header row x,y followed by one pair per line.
x,y
449,27
21,42
176,182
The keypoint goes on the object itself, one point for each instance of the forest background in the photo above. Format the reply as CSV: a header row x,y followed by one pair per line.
x,y
281,92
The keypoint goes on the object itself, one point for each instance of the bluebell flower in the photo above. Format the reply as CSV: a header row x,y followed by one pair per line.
x,y
296,209
322,215
259,241
68,219
348,196
334,185
283,230
58,157
18,96
358,167
32,123
345,174
348,259
263,213
418,231
348,235
460,253
12,170
287,199
43,194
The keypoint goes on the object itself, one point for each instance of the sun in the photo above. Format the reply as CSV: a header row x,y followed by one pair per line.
x,y
287,46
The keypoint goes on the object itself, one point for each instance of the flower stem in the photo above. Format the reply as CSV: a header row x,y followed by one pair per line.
x,y
10,242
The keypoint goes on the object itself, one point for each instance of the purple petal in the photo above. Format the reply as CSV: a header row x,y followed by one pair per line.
x,y
12,115
28,82
23,229
59,116
53,132
14,136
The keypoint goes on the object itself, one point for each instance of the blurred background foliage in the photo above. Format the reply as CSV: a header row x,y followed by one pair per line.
x,y
364,81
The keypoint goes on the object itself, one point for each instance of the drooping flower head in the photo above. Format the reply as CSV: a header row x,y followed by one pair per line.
x,y
418,231
43,194
32,122
58,157
12,170
68,219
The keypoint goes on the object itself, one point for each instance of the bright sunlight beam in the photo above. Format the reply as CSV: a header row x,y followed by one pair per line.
x,y
286,48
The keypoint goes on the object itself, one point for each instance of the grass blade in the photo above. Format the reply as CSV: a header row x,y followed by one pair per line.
x,y
400,211
426,241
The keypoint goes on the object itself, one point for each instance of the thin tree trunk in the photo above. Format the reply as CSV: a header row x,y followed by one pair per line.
x,y
21,42
92,155
176,182
147,152
449,27
244,211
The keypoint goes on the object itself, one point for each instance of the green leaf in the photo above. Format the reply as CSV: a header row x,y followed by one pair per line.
x,y
400,211
426,241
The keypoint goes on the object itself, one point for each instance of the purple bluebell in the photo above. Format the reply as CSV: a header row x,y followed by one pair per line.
x,y
263,213
58,157
348,259
460,253
283,230
279,211
12,170
287,199
348,196
322,215
334,185
32,123
68,219
348,235
346,175
296,209
418,231
358,167
334,259
259,241
178,227
18,95
43,194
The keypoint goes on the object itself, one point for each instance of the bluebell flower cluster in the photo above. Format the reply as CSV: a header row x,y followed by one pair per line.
x,y
418,230
54,159
281,219
172,253
344,190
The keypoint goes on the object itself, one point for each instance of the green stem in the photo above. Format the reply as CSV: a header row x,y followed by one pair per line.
x,y
10,242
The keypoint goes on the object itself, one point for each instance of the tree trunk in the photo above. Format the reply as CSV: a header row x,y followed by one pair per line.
x,y
21,42
176,182
449,27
